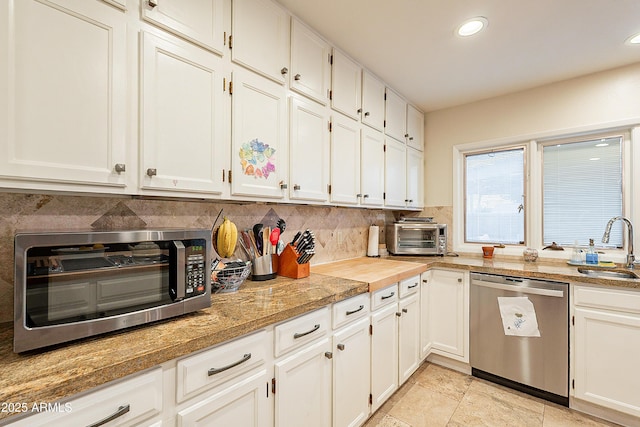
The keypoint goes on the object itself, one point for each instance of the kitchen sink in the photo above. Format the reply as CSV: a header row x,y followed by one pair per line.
x,y
618,273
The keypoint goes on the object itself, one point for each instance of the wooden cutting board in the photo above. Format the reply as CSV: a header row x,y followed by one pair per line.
x,y
378,273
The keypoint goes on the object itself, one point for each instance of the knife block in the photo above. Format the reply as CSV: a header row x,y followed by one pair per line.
x,y
288,267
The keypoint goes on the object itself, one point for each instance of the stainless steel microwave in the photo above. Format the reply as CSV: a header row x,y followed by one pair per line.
x,y
71,285
416,237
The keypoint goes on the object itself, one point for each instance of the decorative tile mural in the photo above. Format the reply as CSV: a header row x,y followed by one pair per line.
x,y
63,212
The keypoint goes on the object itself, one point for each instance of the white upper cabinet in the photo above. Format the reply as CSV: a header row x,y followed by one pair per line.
x,y
122,4
346,86
415,178
260,38
415,128
310,63
395,115
199,21
345,160
183,144
259,146
395,174
372,168
372,101
63,109
308,151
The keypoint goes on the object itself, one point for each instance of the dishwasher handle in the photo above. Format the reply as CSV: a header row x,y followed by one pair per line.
x,y
521,289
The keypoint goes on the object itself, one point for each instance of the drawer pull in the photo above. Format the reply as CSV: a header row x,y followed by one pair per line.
x,y
300,335
388,296
412,286
214,371
349,313
120,412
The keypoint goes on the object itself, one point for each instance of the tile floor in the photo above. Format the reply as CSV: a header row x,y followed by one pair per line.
x,y
436,396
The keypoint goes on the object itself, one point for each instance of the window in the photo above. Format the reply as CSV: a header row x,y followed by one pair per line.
x,y
494,196
582,190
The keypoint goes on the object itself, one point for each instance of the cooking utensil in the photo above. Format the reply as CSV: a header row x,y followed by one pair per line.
x,y
274,237
257,234
266,247
282,225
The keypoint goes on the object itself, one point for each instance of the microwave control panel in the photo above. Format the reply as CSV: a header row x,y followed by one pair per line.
x,y
195,279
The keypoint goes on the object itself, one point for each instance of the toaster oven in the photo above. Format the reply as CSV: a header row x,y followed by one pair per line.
x,y
417,236
71,285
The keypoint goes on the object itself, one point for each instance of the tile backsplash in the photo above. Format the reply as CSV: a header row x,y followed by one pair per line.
x,y
340,232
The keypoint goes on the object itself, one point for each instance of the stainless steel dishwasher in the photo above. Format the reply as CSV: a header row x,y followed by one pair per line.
x,y
535,362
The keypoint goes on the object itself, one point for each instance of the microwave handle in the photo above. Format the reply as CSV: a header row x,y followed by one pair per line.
x,y
177,290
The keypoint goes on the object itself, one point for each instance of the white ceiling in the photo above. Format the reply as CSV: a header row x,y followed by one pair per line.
x,y
411,45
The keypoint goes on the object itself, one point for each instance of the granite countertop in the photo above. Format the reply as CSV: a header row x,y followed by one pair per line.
x,y
62,371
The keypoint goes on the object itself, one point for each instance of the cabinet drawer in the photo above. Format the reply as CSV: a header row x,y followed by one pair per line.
x,y
613,299
128,402
217,365
294,333
384,296
350,309
409,286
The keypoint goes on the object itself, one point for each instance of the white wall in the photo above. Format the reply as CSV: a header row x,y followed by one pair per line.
x,y
601,98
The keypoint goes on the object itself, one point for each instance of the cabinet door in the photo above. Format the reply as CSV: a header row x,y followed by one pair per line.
x,y
244,403
259,150
351,374
182,117
372,167
198,21
303,382
415,178
309,151
260,39
63,94
372,101
395,116
606,354
448,319
310,64
408,337
425,336
384,355
346,78
345,160
395,173
415,128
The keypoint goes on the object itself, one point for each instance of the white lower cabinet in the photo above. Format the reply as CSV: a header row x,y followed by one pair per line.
x,y
425,335
244,403
351,362
448,311
409,333
384,345
133,401
606,348
302,375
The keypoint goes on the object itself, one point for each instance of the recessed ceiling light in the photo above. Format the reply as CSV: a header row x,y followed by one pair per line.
x,y
634,40
472,26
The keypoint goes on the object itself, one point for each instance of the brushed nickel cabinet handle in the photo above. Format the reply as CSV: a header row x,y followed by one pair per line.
x,y
152,172
340,347
350,312
328,355
283,186
120,412
120,167
296,187
297,77
300,335
387,296
214,371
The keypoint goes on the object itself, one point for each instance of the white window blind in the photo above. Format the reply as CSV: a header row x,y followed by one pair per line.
x,y
494,197
582,190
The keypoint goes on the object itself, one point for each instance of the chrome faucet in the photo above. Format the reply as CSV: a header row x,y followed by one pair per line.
x,y
607,231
